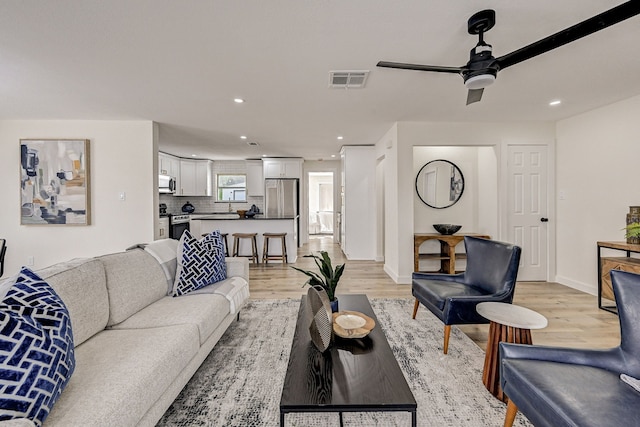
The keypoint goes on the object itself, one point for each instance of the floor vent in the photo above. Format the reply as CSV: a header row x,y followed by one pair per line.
x,y
348,79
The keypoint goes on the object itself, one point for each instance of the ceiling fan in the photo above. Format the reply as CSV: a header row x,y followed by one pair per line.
x,y
482,68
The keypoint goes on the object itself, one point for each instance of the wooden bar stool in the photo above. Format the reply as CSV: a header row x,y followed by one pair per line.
x,y
266,256
254,245
226,242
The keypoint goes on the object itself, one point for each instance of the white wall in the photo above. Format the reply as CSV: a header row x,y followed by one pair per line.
x,y
487,177
359,210
598,173
400,179
121,160
387,153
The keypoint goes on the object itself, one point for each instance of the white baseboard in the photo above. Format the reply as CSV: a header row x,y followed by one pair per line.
x,y
587,288
400,280
390,273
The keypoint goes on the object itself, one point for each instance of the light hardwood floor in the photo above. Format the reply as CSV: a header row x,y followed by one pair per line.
x,y
574,317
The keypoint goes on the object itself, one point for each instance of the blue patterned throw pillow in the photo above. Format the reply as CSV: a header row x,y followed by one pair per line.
x,y
200,262
36,349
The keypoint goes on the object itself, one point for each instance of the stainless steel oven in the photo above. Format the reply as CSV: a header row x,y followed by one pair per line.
x,y
177,225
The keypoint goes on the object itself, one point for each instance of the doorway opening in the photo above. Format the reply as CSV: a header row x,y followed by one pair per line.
x,y
320,204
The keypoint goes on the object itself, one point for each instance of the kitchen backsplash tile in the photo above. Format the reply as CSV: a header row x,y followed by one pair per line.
x,y
207,204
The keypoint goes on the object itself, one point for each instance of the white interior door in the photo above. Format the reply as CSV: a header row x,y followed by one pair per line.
x,y
527,216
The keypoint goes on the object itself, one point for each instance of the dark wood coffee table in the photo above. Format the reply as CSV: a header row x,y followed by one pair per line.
x,y
353,375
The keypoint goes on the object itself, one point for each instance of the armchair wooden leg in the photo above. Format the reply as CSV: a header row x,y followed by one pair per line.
x,y
447,332
512,410
415,308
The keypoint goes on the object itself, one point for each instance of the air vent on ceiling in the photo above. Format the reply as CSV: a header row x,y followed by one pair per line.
x,y
252,144
348,79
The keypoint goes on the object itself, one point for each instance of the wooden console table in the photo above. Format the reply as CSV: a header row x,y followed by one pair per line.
x,y
606,264
447,255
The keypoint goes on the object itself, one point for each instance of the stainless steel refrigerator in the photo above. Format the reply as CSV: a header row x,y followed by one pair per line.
x,y
280,198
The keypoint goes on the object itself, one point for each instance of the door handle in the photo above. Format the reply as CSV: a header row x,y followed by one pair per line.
x,y
544,219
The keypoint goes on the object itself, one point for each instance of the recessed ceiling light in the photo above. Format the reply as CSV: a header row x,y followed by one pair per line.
x,y
340,137
238,100
333,155
243,136
555,102
264,155
193,155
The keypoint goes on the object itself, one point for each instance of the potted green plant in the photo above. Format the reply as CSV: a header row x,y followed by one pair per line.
x,y
633,233
327,279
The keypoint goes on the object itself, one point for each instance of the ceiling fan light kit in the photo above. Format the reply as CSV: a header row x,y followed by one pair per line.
x,y
482,68
480,81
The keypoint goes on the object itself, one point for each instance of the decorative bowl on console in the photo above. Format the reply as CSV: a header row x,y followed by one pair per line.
x,y
447,229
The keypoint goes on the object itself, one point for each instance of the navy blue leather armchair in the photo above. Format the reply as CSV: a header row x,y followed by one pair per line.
x,y
558,387
492,268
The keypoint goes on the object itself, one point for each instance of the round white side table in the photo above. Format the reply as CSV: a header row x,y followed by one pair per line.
x,y
508,323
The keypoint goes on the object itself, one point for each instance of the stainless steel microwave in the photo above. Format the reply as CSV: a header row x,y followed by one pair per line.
x,y
166,184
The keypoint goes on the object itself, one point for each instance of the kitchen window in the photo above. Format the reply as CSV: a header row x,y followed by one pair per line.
x,y
232,188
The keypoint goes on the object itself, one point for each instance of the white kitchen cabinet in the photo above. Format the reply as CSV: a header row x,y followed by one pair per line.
x,y
358,221
195,178
168,165
282,168
255,180
163,228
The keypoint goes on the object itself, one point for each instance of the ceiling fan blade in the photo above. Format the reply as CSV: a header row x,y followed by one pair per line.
x,y
575,32
474,95
417,67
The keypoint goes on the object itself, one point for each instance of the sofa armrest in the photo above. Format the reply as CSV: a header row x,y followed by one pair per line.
x,y
18,422
238,267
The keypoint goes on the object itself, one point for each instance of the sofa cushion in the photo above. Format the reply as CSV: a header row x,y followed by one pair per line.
x,y
121,373
82,285
204,311
134,280
36,349
563,394
234,289
200,262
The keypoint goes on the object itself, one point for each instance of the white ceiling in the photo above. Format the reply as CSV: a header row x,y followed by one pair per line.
x,y
181,63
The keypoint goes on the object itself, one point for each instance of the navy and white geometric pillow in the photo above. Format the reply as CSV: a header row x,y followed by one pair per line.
x,y
200,263
36,349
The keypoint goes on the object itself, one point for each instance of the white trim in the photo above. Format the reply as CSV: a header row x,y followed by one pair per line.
x,y
584,287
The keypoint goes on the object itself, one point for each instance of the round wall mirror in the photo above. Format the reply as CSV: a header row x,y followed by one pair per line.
x,y
439,184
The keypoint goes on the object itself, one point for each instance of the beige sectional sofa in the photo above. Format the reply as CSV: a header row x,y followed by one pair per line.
x,y
135,347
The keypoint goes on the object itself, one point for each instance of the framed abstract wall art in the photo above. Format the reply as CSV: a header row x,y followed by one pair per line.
x,y
54,182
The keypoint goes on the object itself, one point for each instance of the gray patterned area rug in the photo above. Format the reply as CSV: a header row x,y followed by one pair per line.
x,y
240,382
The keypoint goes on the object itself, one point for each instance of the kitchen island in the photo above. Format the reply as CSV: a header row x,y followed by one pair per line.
x,y
232,223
